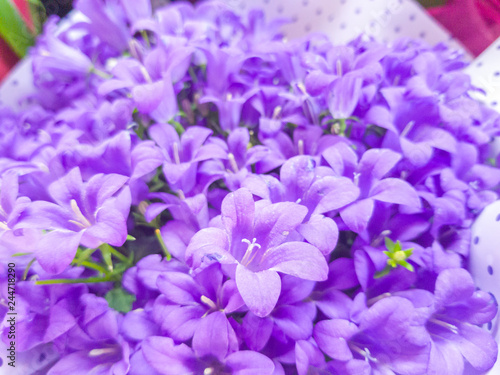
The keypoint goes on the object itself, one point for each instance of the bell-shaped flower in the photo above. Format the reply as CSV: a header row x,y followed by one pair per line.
x,y
253,238
214,350
182,154
90,214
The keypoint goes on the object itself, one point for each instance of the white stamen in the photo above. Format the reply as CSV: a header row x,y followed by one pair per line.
x,y
2,212
251,245
181,195
176,153
232,162
3,225
407,128
302,87
474,184
229,96
142,207
368,356
207,301
145,73
208,371
356,178
449,326
301,147
277,112
377,241
339,68
374,300
81,219
98,352
365,353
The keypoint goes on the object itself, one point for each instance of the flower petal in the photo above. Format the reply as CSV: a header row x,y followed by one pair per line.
x,y
214,337
393,190
166,357
57,250
357,215
260,290
332,337
246,362
298,259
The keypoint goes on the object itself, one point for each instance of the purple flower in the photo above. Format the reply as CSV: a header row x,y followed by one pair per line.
x,y
89,214
386,338
253,238
291,320
214,349
12,239
107,21
368,176
452,325
183,154
94,344
185,300
45,314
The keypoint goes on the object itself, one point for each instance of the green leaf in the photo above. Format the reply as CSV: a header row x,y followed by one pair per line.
x,y
408,252
382,273
178,127
389,244
397,247
38,15
106,255
13,29
120,300
20,254
408,266
130,238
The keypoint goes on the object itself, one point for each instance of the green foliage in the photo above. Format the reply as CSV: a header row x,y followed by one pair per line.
x,y
13,29
120,300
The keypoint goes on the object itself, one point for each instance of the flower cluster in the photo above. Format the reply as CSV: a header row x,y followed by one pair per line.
x,y
186,192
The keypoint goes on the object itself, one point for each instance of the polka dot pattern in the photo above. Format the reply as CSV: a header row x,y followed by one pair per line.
x,y
484,262
17,86
344,20
485,74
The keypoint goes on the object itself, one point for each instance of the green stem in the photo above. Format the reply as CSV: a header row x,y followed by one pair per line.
x,y
26,270
94,266
100,73
144,35
74,281
119,255
162,244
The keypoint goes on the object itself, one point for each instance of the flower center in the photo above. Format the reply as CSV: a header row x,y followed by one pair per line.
x,y
175,147
81,220
2,212
248,257
207,301
407,128
301,147
365,353
448,326
99,352
232,162
356,178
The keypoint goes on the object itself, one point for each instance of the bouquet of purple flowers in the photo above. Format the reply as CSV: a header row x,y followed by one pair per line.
x,y
186,192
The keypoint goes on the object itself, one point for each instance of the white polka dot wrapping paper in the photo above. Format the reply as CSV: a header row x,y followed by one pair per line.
x,y
343,20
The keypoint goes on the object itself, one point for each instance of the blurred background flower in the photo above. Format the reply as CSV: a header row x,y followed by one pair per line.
x,y
476,23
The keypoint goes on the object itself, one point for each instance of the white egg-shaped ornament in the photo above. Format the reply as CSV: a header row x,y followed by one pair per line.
x,y
484,261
